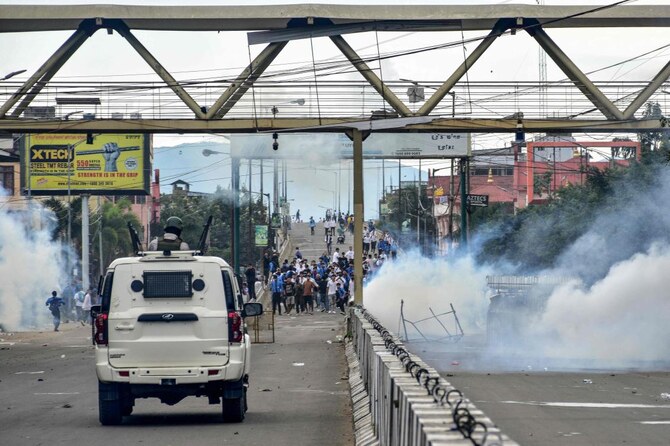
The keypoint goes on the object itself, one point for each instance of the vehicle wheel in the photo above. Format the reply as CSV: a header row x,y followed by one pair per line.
x,y
110,405
233,410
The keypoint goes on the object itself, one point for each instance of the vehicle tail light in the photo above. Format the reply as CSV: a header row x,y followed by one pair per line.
x,y
234,327
125,373
100,327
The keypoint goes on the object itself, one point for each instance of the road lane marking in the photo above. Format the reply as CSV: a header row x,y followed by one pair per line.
x,y
56,393
590,405
29,373
654,422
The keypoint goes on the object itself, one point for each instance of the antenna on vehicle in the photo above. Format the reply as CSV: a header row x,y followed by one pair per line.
x,y
202,243
135,239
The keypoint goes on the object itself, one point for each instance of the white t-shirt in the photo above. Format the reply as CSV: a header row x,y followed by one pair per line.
x,y
349,255
332,286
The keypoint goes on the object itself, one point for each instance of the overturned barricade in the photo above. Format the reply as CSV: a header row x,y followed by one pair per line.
x,y
401,401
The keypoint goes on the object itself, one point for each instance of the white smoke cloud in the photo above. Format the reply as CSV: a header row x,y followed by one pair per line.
x,y
425,283
31,267
623,317
613,314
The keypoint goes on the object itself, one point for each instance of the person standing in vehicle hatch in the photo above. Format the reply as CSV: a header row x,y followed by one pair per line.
x,y
170,241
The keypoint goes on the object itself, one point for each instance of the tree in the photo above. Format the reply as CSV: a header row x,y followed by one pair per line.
x,y
113,218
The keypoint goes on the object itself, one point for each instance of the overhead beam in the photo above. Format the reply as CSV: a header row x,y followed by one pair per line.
x,y
370,76
245,80
251,125
327,30
171,82
432,102
21,18
581,81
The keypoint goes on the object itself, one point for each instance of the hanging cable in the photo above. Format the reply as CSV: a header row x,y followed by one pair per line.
x,y
316,82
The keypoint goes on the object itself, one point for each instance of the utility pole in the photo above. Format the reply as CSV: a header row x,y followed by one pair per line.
x,y
85,283
464,220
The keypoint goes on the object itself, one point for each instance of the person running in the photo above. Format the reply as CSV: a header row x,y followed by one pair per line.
x,y
54,303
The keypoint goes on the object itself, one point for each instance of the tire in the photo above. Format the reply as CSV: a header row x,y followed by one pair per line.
x,y
233,409
110,404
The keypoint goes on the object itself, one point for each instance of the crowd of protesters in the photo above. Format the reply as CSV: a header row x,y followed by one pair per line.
x,y
303,286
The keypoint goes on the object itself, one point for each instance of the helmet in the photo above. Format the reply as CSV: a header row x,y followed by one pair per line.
x,y
174,222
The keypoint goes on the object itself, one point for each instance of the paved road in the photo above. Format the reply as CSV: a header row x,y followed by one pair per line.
x,y
299,392
559,406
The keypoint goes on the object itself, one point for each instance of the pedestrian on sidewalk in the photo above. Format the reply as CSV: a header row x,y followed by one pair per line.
x,y
250,274
54,303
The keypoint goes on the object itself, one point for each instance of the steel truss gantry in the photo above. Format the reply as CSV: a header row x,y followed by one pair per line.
x,y
276,26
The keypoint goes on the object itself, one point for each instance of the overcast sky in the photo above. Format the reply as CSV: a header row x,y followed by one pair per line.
x,y
199,55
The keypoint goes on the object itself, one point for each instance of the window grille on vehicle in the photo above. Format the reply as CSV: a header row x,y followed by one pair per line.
x,y
167,284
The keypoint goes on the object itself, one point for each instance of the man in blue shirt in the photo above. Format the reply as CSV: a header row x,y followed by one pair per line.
x,y
276,287
54,303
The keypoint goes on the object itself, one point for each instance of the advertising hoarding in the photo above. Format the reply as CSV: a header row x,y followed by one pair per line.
x,y
61,164
338,146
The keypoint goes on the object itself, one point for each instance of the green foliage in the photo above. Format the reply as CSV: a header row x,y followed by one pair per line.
x,y
112,218
405,205
194,212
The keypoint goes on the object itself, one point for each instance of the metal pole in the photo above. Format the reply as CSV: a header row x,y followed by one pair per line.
x,y
275,186
85,283
418,206
102,266
359,217
464,221
399,199
235,186
70,149
251,241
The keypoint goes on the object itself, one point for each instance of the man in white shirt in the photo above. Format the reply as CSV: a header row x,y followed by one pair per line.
x,y
349,255
336,256
332,291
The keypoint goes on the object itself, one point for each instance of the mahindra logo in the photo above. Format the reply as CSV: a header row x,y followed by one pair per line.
x,y
168,316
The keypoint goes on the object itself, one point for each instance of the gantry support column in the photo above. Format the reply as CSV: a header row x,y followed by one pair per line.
x,y
359,218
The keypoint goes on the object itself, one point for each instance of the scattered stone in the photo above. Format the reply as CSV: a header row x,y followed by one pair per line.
x,y
587,381
67,406
40,379
265,390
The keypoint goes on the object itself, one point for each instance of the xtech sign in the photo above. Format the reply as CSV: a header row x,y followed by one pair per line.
x,y
50,154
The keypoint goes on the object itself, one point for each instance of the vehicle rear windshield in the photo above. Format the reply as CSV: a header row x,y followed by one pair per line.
x,y
106,293
167,284
228,288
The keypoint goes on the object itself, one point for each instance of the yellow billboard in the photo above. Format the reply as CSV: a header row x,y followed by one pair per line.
x,y
100,164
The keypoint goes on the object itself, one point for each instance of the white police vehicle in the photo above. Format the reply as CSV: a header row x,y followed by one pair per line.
x,y
171,325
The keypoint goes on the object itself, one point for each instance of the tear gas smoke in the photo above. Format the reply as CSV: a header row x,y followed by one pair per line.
x,y
30,266
613,314
422,283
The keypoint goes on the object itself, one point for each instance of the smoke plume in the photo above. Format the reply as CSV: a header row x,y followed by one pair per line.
x,y
31,268
613,313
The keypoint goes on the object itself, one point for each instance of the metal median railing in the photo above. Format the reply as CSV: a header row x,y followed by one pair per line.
x,y
410,404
